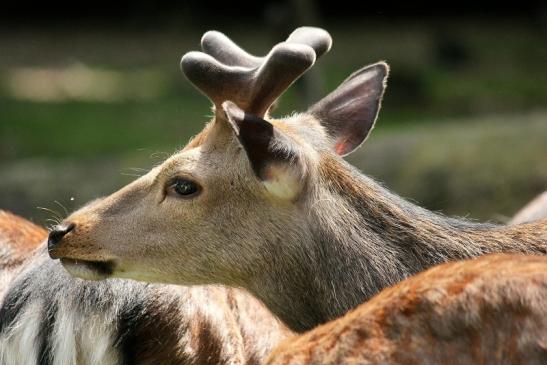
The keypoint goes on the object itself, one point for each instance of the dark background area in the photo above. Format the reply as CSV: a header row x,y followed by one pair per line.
x,y
91,94
152,13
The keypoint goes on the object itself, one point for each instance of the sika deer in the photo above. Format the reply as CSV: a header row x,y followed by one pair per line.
x,y
490,310
269,204
49,317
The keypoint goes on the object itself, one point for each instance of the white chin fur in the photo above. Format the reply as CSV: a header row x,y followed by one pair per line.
x,y
82,269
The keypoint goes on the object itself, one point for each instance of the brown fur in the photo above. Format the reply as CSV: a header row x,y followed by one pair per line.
x,y
204,325
18,238
394,220
491,310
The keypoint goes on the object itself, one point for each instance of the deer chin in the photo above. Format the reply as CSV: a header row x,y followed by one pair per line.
x,y
88,270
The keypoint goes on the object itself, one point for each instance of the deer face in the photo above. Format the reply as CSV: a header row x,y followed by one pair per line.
x,y
239,193
201,206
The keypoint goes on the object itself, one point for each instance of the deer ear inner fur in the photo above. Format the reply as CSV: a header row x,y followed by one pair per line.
x,y
348,113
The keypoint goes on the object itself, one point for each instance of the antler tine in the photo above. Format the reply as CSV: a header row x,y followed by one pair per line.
x,y
227,72
216,80
222,48
285,63
317,38
226,51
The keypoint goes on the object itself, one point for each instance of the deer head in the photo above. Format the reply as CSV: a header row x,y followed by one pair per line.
x,y
239,195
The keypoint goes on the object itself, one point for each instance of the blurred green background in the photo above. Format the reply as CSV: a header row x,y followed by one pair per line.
x,y
88,103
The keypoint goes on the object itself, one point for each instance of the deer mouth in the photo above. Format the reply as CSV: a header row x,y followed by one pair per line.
x,y
89,270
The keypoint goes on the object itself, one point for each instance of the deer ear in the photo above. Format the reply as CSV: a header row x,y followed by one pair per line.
x,y
271,153
349,112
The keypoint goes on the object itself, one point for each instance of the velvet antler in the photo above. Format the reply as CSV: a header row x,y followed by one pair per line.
x,y
224,71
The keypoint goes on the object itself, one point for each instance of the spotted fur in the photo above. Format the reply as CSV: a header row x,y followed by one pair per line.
x,y
18,238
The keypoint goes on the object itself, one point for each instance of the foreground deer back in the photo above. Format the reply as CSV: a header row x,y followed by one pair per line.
x,y
18,238
492,310
269,204
49,317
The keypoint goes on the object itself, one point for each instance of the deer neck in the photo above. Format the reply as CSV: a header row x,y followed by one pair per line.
x,y
362,239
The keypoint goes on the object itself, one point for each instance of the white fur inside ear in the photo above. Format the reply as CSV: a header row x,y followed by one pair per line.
x,y
283,181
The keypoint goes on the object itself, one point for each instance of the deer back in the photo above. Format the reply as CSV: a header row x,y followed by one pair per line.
x,y
490,310
18,238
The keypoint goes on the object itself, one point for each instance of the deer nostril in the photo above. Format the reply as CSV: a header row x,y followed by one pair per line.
x,y
57,234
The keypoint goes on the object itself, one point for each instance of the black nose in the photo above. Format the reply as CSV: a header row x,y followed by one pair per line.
x,y
57,234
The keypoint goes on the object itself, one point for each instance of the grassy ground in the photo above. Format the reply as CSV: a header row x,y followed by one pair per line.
x,y
463,128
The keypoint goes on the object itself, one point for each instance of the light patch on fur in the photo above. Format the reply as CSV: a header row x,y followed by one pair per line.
x,y
86,342
18,345
96,341
64,338
282,181
5,279
228,330
77,339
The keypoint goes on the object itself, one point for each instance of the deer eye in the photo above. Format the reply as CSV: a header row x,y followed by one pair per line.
x,y
184,187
